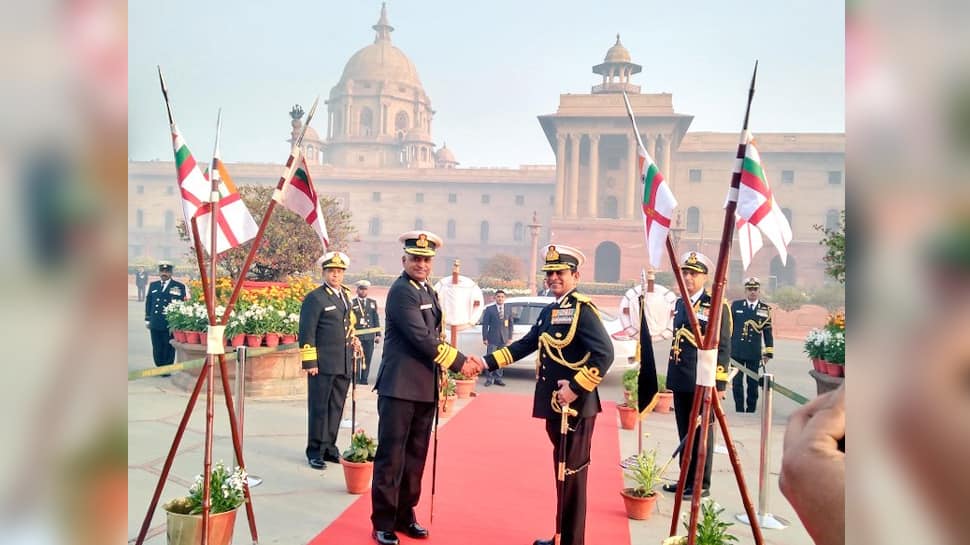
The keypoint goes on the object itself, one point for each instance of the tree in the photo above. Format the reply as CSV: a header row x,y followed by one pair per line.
x,y
503,267
834,241
288,245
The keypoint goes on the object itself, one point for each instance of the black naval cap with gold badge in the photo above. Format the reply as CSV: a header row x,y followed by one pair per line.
x,y
752,282
424,243
334,260
697,262
561,258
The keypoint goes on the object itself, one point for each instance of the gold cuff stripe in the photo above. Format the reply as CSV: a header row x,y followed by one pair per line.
x,y
503,357
588,378
308,353
769,350
446,355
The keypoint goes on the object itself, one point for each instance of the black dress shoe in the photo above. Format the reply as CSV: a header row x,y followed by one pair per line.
x,y
414,530
317,463
331,458
544,542
689,492
499,382
386,538
670,487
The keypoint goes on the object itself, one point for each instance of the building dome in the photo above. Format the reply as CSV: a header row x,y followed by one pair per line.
x,y
617,53
381,61
311,135
445,155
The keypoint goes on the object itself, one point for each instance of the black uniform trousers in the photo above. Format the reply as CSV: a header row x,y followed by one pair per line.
x,y
579,440
737,386
686,422
141,292
363,369
403,436
326,395
162,350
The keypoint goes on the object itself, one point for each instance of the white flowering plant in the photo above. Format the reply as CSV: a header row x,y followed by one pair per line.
x,y
225,492
816,343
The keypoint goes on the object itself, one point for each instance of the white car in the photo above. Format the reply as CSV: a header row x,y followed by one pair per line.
x,y
525,311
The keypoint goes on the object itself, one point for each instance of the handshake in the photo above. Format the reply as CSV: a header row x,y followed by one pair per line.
x,y
473,366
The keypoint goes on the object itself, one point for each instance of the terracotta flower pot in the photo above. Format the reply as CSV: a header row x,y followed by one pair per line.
x,y
192,337
628,417
836,369
817,365
665,401
288,338
237,340
179,335
638,508
464,388
272,339
357,475
253,341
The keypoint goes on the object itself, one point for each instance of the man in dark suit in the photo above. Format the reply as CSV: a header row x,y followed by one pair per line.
x,y
408,385
575,352
326,341
365,310
753,317
141,282
496,333
160,293
682,368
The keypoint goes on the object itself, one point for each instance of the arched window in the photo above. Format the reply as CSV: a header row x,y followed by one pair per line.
x,y
169,221
832,220
517,231
693,220
418,223
401,122
375,226
787,213
366,121
451,229
483,232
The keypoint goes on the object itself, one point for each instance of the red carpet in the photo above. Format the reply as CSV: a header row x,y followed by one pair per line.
x,y
496,483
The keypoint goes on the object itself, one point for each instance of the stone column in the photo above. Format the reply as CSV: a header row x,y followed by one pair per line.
x,y
572,196
560,173
629,204
592,197
668,143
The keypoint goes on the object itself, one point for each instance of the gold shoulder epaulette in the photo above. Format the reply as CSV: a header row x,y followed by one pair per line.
x,y
581,297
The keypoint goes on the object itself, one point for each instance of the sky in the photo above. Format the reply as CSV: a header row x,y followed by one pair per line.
x,y
489,68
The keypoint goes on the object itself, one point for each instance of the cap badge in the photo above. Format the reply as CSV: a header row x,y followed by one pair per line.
x,y
422,241
552,254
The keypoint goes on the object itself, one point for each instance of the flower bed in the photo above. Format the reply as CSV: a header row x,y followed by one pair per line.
x,y
265,314
826,346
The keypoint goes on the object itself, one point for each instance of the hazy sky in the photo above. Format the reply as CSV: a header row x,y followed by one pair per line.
x,y
489,68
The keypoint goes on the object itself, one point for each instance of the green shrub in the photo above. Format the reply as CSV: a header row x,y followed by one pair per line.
x,y
830,297
789,298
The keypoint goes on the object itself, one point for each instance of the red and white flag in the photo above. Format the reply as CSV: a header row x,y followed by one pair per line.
x,y
658,207
299,196
757,206
235,223
749,240
193,187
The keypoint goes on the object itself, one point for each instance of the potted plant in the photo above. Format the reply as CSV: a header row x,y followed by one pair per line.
x,y
835,354
815,348
358,462
254,321
665,398
463,385
711,530
628,409
446,401
641,498
291,327
184,515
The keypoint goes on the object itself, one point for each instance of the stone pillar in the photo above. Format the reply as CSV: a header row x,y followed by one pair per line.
x,y
592,197
667,145
560,173
572,195
347,119
629,204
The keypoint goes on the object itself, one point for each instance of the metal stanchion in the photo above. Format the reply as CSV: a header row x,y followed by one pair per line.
x,y
765,519
252,480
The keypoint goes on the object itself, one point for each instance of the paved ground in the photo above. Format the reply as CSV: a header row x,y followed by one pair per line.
x,y
295,502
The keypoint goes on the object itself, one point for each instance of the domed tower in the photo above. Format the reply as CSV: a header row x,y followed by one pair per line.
x,y
378,114
445,158
616,69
